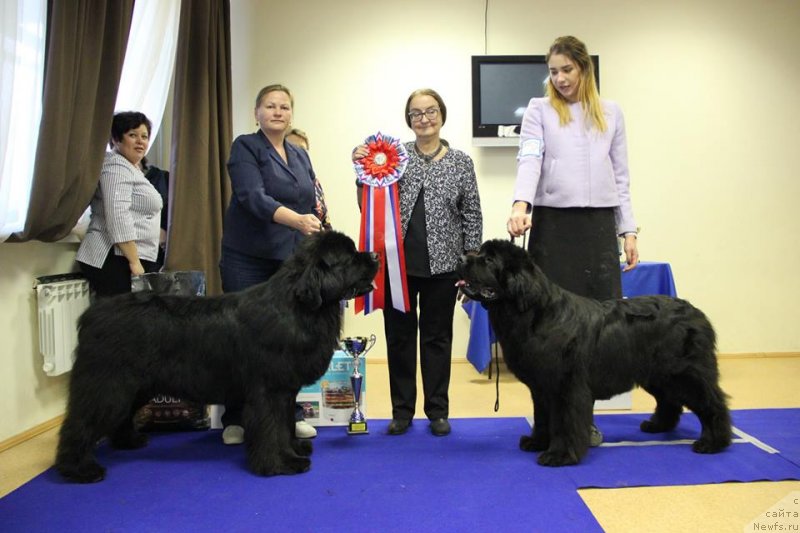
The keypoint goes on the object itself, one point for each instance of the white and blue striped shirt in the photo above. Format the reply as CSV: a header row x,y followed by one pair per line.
x,y
125,207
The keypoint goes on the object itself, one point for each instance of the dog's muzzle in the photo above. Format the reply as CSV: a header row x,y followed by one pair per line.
x,y
355,292
482,294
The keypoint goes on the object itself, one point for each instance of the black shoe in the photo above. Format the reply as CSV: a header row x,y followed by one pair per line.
x,y
440,427
398,426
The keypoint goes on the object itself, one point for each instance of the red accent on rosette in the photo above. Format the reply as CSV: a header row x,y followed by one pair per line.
x,y
387,167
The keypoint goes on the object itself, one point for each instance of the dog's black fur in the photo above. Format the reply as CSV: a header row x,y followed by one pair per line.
x,y
257,347
571,350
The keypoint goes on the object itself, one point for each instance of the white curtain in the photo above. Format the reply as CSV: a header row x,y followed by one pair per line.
x,y
22,30
149,59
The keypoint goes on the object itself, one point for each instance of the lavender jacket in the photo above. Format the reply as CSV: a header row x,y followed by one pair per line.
x,y
573,166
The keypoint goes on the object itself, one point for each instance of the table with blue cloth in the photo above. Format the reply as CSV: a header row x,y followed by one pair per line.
x,y
647,278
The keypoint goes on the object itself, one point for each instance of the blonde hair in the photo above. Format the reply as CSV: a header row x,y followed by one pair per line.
x,y
297,132
588,95
277,87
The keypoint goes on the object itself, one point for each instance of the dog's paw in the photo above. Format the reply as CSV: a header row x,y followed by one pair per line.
x,y
128,441
708,446
299,465
652,426
83,473
648,426
557,458
302,447
535,443
286,466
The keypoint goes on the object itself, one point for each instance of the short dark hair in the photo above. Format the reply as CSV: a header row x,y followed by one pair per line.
x,y
426,92
126,121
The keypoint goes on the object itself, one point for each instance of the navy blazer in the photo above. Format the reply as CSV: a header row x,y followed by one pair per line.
x,y
261,183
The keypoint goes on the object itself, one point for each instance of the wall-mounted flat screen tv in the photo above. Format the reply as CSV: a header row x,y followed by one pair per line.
x,y
502,86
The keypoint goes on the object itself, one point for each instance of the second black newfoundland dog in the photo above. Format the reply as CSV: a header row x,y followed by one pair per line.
x,y
571,350
257,347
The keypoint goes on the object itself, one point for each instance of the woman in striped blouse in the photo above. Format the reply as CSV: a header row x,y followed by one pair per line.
x,y
123,234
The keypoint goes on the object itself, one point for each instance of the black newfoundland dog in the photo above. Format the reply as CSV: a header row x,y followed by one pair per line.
x,y
257,347
571,350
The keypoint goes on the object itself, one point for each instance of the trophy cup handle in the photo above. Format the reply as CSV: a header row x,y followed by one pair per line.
x,y
370,343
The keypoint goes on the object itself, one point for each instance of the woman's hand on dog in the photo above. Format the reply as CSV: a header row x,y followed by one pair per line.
x,y
305,224
520,220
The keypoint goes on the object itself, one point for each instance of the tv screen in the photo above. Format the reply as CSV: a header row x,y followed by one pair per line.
x,y
506,89
502,86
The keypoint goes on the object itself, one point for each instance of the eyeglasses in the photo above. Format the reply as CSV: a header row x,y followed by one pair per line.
x,y
431,113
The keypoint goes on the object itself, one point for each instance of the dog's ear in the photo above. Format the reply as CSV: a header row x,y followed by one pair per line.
x,y
308,289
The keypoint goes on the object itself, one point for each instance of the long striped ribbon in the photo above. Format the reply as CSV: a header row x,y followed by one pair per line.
x,y
381,233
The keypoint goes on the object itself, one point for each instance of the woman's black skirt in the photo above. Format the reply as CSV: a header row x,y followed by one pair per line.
x,y
577,248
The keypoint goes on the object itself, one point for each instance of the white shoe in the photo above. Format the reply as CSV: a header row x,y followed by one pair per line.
x,y
595,436
233,435
304,430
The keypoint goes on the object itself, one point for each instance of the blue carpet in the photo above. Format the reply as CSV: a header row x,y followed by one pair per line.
x,y
779,428
623,460
474,479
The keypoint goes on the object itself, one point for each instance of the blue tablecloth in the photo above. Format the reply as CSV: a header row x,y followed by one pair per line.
x,y
647,278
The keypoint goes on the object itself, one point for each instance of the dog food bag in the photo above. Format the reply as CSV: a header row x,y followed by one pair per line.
x,y
163,412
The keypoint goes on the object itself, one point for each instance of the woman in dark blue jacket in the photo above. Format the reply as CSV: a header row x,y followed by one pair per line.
x,y
271,210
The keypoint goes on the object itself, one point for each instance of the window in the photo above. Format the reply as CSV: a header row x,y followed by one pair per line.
x,y
149,59
23,40
147,72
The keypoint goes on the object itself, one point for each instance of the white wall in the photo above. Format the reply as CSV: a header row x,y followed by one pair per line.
x,y
27,396
709,91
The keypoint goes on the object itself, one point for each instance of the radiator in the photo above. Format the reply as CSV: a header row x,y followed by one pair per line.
x,y
61,301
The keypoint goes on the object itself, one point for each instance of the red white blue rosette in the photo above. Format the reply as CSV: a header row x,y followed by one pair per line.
x,y
384,164
379,171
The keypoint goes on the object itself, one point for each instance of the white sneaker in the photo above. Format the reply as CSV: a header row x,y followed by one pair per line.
x,y
595,436
304,430
233,435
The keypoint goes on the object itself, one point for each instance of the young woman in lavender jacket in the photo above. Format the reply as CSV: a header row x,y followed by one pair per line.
x,y
572,187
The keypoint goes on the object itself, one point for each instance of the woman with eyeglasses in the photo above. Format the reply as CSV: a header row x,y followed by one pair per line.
x,y
440,214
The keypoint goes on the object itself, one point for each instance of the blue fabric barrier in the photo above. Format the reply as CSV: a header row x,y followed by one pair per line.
x,y
648,278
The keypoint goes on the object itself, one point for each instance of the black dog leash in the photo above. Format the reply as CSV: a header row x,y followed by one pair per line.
x,y
496,355
497,378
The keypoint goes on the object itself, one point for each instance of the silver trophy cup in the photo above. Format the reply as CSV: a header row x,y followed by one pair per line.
x,y
356,347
